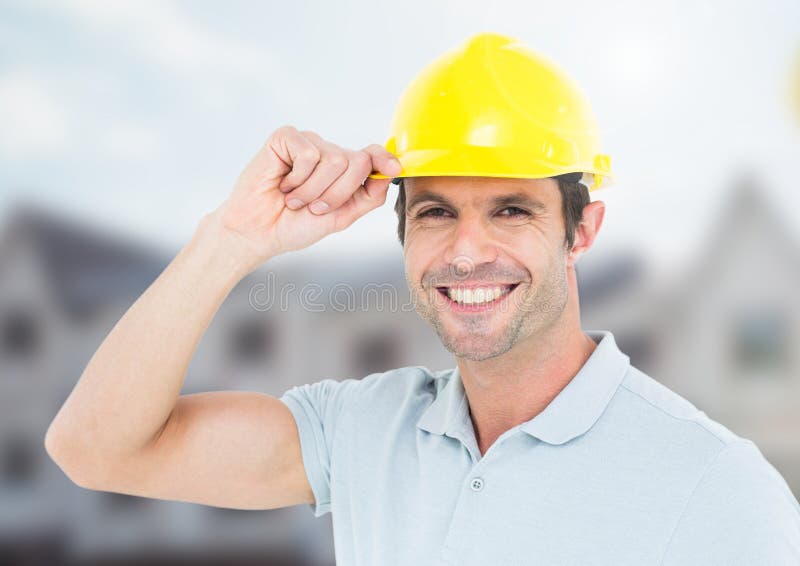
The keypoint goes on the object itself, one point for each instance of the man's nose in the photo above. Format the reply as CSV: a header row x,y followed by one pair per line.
x,y
470,243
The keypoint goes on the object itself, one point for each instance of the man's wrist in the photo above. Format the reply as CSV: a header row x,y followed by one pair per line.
x,y
222,252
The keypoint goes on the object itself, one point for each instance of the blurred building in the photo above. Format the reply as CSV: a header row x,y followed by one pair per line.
x,y
724,331
721,334
63,286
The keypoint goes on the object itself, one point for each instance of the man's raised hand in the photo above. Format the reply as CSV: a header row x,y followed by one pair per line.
x,y
299,188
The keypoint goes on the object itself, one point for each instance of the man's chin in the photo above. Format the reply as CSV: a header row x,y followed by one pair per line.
x,y
475,348
475,341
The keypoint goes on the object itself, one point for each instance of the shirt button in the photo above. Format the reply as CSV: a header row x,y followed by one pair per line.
x,y
476,484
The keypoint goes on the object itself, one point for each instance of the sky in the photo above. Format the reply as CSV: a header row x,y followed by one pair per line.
x,y
139,116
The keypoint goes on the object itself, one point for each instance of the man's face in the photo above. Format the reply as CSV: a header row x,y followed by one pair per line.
x,y
469,239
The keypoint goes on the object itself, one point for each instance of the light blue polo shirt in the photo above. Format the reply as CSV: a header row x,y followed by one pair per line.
x,y
616,470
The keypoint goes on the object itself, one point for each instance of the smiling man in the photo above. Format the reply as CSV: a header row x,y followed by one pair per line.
x,y
491,269
542,445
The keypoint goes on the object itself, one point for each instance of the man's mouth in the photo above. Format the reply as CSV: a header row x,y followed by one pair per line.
x,y
477,295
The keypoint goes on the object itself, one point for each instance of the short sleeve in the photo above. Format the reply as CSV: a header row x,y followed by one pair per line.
x,y
316,408
741,512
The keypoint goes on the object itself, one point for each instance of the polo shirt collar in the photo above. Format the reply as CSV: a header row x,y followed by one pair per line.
x,y
571,413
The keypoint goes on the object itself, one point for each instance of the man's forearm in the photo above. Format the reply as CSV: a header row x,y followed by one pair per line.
x,y
131,384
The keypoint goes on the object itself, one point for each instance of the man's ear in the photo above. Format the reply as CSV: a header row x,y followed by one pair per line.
x,y
587,230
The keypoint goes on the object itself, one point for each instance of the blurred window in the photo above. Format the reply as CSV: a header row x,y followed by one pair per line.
x,y
17,460
20,334
122,502
760,340
638,346
374,352
252,341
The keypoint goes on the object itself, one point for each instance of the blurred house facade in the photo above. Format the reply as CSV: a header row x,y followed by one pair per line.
x,y
722,334
62,288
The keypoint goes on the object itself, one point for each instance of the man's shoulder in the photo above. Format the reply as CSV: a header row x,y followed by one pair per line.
x,y
398,393
403,381
707,455
672,412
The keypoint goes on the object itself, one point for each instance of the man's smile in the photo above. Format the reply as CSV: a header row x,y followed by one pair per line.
x,y
476,298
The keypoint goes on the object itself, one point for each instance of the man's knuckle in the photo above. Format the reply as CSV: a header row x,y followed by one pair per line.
x,y
362,161
286,128
337,161
309,154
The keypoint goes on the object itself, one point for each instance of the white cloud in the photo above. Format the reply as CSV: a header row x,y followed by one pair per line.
x,y
31,119
164,33
219,69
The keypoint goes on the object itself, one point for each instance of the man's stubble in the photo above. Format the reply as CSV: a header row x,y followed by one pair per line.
x,y
535,309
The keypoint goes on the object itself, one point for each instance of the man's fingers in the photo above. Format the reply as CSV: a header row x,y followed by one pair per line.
x,y
383,160
376,188
369,196
359,166
327,176
333,163
299,152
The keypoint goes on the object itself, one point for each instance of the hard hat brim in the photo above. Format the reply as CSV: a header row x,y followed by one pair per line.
x,y
493,162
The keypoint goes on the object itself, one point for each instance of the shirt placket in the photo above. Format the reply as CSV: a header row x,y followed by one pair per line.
x,y
461,533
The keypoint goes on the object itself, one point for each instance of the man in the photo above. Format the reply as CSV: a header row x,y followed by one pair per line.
x,y
542,446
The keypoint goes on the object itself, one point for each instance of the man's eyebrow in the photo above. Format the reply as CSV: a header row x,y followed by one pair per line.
x,y
523,199
426,196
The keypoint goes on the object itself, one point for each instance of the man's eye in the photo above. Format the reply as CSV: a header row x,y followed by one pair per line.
x,y
436,212
515,211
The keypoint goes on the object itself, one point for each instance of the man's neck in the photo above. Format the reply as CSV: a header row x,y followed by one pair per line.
x,y
511,389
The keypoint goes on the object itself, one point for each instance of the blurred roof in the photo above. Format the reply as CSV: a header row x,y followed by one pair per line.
x,y
86,268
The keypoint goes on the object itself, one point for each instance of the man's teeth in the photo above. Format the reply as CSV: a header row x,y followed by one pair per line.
x,y
477,295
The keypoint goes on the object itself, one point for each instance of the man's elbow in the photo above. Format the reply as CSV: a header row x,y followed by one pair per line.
x,y
68,459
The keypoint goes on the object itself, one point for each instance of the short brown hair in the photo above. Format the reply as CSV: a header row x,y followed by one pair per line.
x,y
574,197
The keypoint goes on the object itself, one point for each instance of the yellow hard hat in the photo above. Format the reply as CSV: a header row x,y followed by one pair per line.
x,y
493,107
